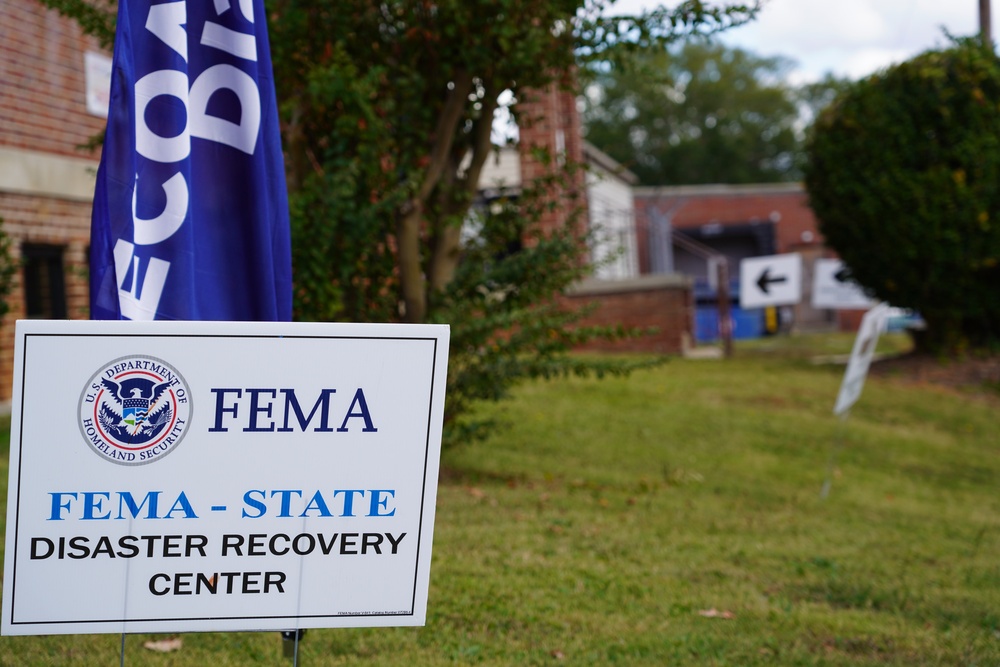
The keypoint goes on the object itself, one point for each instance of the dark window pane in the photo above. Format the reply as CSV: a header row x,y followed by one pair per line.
x,y
44,281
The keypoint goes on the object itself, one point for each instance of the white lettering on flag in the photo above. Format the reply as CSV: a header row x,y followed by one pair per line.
x,y
242,135
162,227
183,229
141,300
148,143
239,44
166,21
246,8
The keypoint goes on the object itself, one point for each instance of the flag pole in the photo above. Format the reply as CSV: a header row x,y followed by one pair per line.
x,y
985,22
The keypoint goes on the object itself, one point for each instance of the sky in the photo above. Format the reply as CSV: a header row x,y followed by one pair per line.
x,y
850,38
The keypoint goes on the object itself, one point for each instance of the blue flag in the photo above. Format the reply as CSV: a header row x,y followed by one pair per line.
x,y
190,218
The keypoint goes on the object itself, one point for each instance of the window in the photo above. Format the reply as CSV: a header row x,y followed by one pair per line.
x,y
44,281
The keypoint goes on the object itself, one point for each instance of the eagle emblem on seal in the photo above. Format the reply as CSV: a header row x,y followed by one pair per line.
x,y
134,412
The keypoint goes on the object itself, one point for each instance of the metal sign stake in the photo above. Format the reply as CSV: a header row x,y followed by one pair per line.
x,y
290,644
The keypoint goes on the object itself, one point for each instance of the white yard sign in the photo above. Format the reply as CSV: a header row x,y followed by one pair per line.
x,y
195,476
773,280
872,324
833,287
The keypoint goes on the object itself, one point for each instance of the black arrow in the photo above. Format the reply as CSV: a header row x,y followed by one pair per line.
x,y
843,275
765,280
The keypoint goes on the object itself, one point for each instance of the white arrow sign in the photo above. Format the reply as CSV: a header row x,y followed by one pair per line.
x,y
773,280
834,288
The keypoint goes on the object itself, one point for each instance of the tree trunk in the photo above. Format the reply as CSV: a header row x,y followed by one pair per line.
x,y
413,283
411,278
446,249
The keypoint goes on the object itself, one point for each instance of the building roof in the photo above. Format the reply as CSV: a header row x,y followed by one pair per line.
x,y
596,156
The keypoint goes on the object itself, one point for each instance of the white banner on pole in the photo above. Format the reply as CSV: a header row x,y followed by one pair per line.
x,y
872,324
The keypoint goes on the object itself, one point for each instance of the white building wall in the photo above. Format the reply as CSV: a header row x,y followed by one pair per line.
x,y
613,249
612,214
502,170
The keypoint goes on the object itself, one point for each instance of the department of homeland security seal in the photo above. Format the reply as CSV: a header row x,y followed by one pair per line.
x,y
135,410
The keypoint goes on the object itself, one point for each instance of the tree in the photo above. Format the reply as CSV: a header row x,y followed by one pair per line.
x,y
816,96
387,114
699,112
390,110
903,172
434,72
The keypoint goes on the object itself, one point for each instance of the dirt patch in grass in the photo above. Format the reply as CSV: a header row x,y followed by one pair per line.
x,y
978,373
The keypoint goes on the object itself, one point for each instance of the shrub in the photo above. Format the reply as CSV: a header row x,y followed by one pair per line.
x,y
904,175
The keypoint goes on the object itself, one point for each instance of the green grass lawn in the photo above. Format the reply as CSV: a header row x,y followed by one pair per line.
x,y
675,518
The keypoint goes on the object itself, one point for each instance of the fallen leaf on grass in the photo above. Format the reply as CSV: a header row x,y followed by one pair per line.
x,y
715,613
164,645
558,655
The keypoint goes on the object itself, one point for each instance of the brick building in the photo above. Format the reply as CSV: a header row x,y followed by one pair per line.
x,y
50,105
736,221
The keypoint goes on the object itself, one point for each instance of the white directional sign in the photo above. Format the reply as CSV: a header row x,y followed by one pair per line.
x,y
773,280
834,288
872,324
213,476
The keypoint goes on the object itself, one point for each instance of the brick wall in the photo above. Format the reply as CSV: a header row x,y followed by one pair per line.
x,y
663,302
43,96
44,177
548,119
